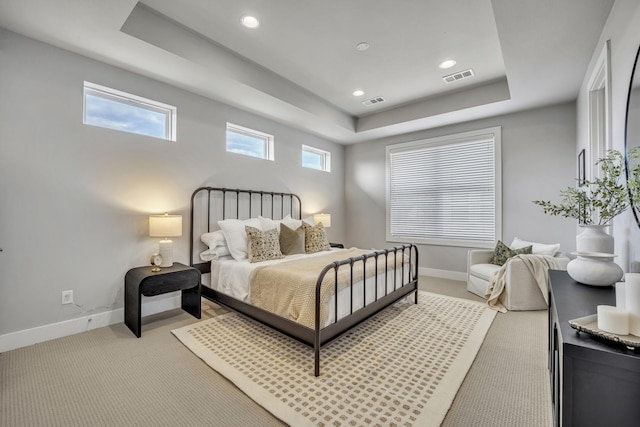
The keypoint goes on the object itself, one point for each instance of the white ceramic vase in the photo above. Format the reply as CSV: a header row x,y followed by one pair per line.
x,y
594,269
594,239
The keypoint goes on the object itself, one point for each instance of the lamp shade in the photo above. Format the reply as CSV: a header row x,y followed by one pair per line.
x,y
324,218
165,225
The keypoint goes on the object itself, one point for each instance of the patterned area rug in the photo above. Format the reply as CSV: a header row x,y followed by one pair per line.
x,y
402,367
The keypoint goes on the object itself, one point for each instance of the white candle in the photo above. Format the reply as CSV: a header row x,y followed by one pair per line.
x,y
613,319
621,298
632,298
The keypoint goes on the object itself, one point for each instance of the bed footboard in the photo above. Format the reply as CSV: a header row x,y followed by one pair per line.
x,y
402,286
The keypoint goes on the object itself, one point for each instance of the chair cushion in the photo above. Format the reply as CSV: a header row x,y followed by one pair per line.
x,y
483,271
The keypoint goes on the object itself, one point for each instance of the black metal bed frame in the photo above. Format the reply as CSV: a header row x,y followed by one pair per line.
x,y
291,204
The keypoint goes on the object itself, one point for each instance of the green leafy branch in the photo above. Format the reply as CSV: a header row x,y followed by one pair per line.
x,y
599,200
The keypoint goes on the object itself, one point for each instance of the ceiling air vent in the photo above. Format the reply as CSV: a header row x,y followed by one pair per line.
x,y
373,101
455,77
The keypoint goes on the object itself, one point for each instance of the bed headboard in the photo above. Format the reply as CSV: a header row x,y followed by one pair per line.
x,y
211,204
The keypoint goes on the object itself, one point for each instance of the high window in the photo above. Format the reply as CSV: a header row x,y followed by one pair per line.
x,y
446,190
114,109
242,140
315,158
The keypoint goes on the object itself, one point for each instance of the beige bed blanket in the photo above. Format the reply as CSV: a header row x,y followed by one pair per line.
x,y
538,266
288,289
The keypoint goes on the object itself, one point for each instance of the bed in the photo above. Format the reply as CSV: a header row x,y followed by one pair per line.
x,y
313,296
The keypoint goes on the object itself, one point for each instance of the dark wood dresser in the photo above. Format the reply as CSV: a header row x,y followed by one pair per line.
x,y
593,382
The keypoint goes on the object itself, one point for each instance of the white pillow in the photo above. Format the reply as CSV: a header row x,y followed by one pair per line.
x,y
268,223
214,239
536,248
236,236
215,253
294,224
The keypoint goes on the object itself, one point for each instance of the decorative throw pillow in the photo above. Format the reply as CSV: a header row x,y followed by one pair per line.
x,y
291,241
315,238
263,245
503,252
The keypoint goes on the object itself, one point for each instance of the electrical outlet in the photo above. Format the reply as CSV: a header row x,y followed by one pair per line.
x,y
67,297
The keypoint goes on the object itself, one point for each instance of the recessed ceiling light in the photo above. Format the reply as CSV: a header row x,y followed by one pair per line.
x,y
447,64
358,92
250,21
362,46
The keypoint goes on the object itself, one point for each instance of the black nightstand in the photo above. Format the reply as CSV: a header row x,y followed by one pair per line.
x,y
142,281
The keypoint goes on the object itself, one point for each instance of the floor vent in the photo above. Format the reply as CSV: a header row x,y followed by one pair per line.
x,y
456,77
373,101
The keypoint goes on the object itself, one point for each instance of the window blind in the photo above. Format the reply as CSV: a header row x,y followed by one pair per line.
x,y
445,191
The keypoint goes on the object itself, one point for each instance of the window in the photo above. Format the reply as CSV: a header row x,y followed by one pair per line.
x,y
249,142
315,158
599,100
113,109
446,191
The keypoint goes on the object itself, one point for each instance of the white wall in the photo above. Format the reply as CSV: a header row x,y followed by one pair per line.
x,y
538,159
622,31
543,158
74,199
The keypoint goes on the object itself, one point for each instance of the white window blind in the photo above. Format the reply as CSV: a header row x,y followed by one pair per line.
x,y
445,191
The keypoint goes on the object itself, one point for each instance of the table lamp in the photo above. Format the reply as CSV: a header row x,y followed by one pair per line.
x,y
324,218
165,226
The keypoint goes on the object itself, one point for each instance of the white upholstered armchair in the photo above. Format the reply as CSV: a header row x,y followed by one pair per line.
x,y
521,287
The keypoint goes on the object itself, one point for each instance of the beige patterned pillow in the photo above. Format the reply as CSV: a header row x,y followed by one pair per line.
x,y
315,238
263,245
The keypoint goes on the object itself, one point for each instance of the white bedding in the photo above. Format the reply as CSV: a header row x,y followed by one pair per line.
x,y
231,277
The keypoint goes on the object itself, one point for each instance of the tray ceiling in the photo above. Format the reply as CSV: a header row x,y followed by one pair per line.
x,y
302,64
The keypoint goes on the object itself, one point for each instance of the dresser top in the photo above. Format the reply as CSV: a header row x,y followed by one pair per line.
x,y
571,300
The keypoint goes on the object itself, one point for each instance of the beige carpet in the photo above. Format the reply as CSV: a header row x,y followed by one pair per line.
x,y
108,377
402,367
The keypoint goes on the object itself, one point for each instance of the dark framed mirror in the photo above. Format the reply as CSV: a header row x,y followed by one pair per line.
x,y
632,131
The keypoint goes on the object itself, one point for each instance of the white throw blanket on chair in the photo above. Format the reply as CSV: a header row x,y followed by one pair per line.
x,y
538,266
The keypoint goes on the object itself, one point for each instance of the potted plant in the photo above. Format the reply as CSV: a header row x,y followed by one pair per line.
x,y
595,203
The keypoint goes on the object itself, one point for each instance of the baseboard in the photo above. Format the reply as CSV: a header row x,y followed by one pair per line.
x,y
443,274
19,339
52,331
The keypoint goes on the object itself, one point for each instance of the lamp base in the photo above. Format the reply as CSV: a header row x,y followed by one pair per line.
x,y
166,252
